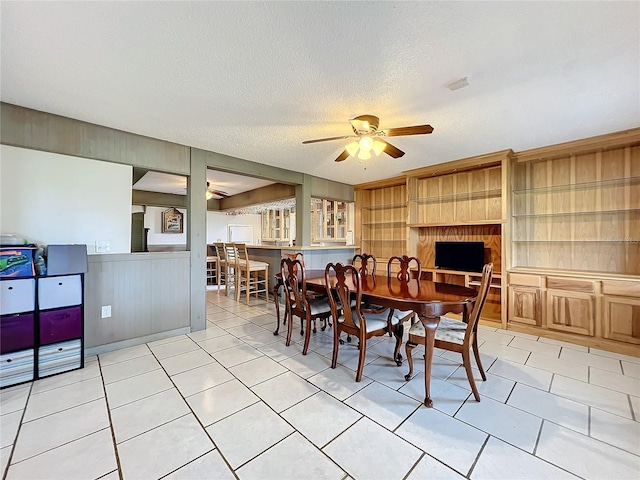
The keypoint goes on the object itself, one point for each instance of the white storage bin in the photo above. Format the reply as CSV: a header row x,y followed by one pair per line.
x,y
59,357
16,367
63,291
17,296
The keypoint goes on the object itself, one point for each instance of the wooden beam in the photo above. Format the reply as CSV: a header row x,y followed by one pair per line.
x,y
269,193
155,199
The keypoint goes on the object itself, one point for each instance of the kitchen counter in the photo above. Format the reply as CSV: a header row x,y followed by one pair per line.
x,y
316,257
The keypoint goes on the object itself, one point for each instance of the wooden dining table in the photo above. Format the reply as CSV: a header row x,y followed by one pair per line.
x,y
429,300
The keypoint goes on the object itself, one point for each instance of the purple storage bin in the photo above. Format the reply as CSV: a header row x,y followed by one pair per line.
x,y
16,332
60,325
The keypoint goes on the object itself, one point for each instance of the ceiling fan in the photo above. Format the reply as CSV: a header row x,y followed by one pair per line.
x,y
211,192
371,138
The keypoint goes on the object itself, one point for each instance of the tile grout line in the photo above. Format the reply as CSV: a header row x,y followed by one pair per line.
x,y
15,439
215,447
113,432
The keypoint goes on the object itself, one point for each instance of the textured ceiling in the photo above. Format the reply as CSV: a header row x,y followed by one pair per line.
x,y
255,79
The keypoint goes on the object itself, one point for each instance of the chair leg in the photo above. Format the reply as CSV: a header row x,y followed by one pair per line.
x,y
290,326
466,360
307,335
336,343
476,353
408,347
361,355
398,331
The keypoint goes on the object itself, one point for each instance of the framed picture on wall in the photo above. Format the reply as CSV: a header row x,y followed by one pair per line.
x,y
172,221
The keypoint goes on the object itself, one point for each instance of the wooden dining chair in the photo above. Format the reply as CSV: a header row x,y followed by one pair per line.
x,y
348,286
298,302
252,275
455,335
403,273
365,263
231,254
221,266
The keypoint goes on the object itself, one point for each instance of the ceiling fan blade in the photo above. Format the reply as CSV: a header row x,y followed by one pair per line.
x,y
343,156
395,152
415,130
328,139
220,193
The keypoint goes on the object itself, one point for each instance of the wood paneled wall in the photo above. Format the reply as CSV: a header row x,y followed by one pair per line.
x,y
149,293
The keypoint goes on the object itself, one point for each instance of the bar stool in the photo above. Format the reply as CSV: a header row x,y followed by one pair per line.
x,y
248,275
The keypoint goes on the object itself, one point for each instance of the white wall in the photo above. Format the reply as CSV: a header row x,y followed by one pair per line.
x,y
153,221
55,199
217,223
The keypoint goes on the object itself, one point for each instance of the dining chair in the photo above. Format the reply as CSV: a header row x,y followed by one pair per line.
x,y
365,263
403,273
348,286
221,265
298,302
252,276
231,256
455,335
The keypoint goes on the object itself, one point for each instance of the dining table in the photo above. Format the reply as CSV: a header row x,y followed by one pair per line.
x,y
429,300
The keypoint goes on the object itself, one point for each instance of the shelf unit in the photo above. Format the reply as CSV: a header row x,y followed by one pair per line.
x,y
575,242
381,208
463,200
42,327
580,212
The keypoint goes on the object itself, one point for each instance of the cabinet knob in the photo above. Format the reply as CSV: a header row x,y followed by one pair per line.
x,y
59,283
60,349
8,360
10,288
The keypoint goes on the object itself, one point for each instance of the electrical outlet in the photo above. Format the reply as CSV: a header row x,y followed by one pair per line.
x,y
103,246
106,311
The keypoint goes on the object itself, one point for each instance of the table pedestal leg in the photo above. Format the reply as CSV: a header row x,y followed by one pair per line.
x,y
430,326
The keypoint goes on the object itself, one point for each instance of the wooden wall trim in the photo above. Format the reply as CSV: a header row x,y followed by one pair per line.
x,y
155,199
36,130
388,182
585,145
469,163
268,193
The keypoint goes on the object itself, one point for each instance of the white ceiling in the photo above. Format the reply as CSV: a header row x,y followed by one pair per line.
x,y
255,79
176,184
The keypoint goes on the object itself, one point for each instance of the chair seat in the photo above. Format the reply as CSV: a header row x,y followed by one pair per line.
x,y
375,321
253,265
449,330
402,314
318,306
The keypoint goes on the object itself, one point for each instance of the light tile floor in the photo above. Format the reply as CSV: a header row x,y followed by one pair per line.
x,y
232,401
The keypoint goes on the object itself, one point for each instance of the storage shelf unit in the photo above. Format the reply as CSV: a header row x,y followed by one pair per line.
x,y
42,319
575,243
382,210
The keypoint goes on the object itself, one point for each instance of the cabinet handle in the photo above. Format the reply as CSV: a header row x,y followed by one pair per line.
x,y
8,360
60,349
10,288
59,283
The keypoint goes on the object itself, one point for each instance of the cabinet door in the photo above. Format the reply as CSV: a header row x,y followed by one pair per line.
x,y
622,318
570,312
524,305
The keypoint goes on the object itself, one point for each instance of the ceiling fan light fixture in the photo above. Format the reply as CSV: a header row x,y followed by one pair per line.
x,y
364,154
366,144
352,148
378,147
209,195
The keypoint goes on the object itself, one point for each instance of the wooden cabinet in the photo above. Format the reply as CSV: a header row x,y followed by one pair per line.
x,y
276,225
525,305
329,220
571,312
621,305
